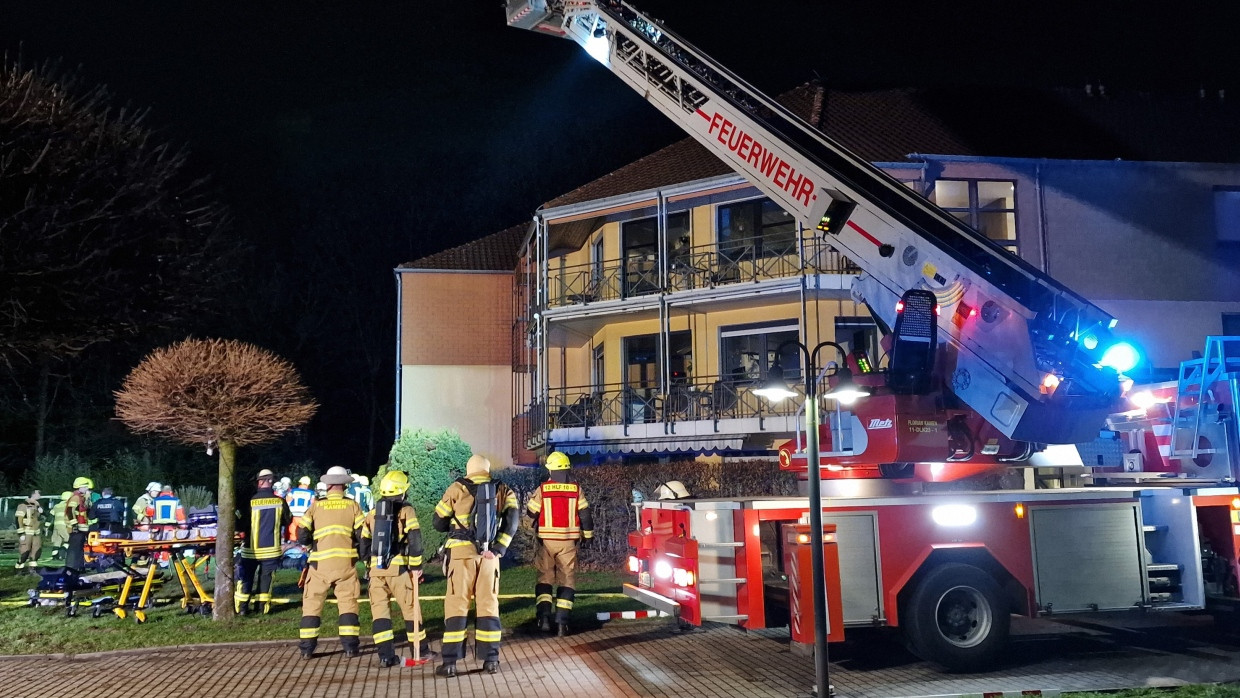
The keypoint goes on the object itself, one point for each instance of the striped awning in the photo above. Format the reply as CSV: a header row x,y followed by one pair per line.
x,y
674,445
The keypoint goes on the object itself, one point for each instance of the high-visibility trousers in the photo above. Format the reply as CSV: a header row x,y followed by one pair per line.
x,y
28,547
471,575
347,588
556,563
399,588
254,590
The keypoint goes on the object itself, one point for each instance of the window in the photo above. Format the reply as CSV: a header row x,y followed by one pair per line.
x,y
855,333
757,228
600,366
747,352
1227,214
640,245
987,206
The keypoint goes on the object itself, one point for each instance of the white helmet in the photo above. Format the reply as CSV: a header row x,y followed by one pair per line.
x,y
154,487
363,481
286,482
672,489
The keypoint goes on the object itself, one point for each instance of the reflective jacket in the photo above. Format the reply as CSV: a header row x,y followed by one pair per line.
x,y
28,517
140,508
166,509
299,500
453,513
333,527
264,530
561,511
77,512
407,547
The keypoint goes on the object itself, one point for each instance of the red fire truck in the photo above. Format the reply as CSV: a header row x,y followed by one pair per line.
x,y
989,362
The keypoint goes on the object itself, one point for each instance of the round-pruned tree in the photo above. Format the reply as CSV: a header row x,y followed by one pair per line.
x,y
220,394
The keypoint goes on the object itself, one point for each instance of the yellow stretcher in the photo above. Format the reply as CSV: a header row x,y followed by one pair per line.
x,y
193,597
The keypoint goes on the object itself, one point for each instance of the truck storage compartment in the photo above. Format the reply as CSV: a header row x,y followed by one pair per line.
x,y
1088,557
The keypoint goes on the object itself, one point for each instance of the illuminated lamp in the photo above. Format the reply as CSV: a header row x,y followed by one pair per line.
x,y
1143,399
1121,356
954,515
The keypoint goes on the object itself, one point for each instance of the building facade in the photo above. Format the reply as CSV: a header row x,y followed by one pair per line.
x,y
645,307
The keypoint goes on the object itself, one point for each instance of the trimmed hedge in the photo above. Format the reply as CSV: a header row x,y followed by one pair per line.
x,y
609,489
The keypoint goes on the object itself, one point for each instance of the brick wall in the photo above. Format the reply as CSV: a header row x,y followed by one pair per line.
x,y
456,318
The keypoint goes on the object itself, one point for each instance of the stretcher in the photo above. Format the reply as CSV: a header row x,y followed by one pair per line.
x,y
118,550
96,592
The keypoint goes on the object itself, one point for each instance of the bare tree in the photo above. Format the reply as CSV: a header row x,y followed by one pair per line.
x,y
103,233
218,393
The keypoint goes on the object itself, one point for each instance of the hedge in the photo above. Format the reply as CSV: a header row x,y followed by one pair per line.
x,y
609,489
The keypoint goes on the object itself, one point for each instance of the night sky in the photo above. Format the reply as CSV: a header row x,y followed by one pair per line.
x,y
417,126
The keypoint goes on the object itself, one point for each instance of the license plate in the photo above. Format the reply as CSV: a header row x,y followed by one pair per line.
x,y
643,580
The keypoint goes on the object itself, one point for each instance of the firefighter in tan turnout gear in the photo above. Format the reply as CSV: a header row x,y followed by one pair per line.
x,y
332,526
562,518
480,517
392,544
30,533
264,530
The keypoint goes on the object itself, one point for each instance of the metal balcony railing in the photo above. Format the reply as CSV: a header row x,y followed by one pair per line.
x,y
704,266
700,398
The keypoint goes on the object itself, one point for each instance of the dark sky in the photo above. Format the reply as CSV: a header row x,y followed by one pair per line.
x,y
413,126
403,107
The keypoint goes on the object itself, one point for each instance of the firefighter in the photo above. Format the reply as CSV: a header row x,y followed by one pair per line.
x,y
60,527
139,507
480,518
108,515
333,527
394,555
30,534
77,512
265,530
562,517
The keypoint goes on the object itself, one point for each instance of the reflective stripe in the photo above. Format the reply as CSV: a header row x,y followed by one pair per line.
x,y
563,603
457,542
359,521
241,595
454,636
384,636
336,530
334,553
487,635
410,525
349,630
503,539
306,521
443,509
262,598
544,598
399,561
309,633
421,635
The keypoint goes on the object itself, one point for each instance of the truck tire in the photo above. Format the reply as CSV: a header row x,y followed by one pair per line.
x,y
957,618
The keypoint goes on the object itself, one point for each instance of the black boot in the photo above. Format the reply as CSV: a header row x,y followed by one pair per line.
x,y
307,653
544,624
389,661
244,609
351,652
491,666
561,629
447,669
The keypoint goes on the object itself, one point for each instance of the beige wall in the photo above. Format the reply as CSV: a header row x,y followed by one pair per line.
x,y
473,400
456,318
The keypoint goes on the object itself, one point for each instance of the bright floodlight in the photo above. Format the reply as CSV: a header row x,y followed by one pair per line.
x,y
846,392
1143,399
775,388
952,515
1121,356
598,48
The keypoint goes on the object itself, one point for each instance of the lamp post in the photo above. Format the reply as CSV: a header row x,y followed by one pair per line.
x,y
845,392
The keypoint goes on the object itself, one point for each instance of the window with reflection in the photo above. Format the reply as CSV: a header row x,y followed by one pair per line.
x,y
756,228
986,205
747,352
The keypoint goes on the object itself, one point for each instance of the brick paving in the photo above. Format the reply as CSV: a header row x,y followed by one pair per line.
x,y
649,658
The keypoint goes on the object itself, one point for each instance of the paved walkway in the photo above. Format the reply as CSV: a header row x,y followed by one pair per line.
x,y
648,658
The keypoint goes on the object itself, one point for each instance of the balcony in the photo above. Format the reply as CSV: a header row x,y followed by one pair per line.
x,y
735,261
708,407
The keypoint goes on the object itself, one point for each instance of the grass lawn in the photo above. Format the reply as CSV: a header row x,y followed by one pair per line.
x,y
25,630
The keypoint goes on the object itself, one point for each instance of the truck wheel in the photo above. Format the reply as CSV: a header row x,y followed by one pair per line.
x,y
957,618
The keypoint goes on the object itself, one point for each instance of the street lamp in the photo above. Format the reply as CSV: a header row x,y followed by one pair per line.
x,y
845,392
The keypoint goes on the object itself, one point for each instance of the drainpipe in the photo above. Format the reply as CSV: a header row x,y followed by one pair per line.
x,y
1042,234
399,304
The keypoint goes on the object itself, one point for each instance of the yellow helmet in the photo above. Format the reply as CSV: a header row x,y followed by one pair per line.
x,y
64,496
81,482
558,461
394,484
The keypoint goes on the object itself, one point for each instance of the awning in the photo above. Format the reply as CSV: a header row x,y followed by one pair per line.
x,y
673,445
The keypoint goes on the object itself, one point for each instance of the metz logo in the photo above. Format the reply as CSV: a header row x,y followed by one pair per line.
x,y
879,424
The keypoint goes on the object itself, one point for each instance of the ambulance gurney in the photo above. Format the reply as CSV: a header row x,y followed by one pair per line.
x,y
187,550
97,591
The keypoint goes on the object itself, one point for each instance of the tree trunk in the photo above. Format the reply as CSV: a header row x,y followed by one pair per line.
x,y
41,412
225,532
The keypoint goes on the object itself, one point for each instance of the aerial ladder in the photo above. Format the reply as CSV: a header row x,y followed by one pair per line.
x,y
994,355
1016,347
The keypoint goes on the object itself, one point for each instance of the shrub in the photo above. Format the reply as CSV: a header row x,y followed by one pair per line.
x,y
432,459
195,497
55,474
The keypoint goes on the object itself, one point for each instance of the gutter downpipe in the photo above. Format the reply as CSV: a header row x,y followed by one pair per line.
x,y
399,309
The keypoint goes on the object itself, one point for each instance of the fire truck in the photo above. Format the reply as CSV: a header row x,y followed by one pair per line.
x,y
992,365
